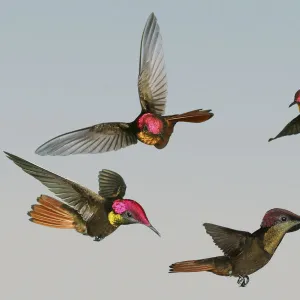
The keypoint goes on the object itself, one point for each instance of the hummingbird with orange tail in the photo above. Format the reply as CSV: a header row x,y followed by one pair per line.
x,y
150,127
244,252
95,215
292,127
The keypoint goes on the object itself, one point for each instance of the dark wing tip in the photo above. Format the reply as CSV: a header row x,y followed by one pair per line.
x,y
271,139
6,153
152,16
11,156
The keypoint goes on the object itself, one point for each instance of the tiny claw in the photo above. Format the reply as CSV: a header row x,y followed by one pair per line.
x,y
243,281
98,238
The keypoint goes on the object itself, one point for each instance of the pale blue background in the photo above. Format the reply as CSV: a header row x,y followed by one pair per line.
x,y
70,64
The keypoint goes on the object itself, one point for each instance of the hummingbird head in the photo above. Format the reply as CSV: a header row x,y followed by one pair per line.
x,y
126,211
296,99
283,219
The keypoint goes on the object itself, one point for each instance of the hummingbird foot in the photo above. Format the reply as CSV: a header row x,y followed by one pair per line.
x,y
98,238
243,280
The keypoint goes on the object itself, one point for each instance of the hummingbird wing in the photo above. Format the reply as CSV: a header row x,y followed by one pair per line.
x,y
291,128
99,138
230,241
111,184
83,200
152,80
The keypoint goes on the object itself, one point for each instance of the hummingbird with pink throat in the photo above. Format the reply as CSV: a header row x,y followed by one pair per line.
x,y
151,126
80,209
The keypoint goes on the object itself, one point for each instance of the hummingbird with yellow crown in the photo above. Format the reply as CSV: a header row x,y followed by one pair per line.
x,y
292,127
244,252
151,127
89,213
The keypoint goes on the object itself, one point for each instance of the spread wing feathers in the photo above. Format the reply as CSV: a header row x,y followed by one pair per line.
x,y
152,80
230,241
74,195
291,128
99,138
111,184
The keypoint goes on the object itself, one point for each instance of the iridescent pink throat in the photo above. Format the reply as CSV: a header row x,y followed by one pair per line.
x,y
154,124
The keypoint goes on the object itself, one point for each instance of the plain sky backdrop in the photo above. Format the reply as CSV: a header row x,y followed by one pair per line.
x,y
69,64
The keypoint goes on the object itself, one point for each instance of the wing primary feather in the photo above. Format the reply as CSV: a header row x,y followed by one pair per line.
x,y
95,139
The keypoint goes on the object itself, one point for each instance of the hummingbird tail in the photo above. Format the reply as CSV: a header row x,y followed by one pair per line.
x,y
190,266
219,265
52,213
194,116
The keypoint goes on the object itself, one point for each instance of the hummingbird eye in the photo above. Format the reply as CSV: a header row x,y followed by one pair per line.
x,y
128,214
283,219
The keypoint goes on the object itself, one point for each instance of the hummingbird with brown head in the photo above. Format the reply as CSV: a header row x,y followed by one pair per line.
x,y
89,213
292,127
244,252
151,127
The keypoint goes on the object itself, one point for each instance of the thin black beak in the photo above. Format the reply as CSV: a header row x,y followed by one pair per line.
x,y
153,229
293,103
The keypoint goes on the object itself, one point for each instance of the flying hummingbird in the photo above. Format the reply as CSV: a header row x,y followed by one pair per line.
x,y
292,127
150,127
95,215
244,252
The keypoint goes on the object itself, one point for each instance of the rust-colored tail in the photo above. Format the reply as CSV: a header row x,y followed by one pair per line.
x,y
194,116
53,213
219,265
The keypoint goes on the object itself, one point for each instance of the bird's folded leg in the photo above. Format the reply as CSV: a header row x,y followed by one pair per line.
x,y
98,238
243,280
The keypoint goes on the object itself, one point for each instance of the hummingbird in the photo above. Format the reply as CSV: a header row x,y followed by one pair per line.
x,y
292,127
244,252
89,213
150,127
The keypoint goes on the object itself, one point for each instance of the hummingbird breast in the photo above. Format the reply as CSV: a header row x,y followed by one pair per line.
x,y
151,128
250,260
99,225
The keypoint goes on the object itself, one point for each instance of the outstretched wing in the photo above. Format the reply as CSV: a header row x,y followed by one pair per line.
x,y
291,128
99,138
111,185
83,200
230,241
152,80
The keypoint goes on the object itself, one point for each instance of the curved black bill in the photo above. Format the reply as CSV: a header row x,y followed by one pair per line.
x,y
293,103
153,229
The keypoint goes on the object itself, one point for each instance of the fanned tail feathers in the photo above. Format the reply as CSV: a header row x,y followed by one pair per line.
x,y
53,213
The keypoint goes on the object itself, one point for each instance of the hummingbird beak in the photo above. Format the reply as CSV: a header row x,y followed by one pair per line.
x,y
153,229
293,103
296,226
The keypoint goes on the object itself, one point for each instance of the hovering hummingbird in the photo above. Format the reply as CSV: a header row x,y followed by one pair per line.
x,y
292,127
244,252
95,215
150,127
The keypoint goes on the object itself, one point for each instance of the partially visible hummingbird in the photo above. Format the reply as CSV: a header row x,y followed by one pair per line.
x,y
292,127
95,215
150,127
244,252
